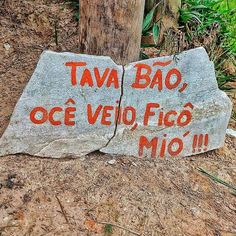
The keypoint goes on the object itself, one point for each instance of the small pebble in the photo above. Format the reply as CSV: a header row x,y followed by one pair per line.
x,y
112,162
7,46
134,164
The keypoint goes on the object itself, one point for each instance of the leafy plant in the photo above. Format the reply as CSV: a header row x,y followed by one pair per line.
x,y
201,15
75,5
108,229
207,23
234,115
214,19
148,20
155,31
150,27
143,56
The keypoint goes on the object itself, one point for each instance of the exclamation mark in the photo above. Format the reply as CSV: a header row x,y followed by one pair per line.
x,y
200,142
195,138
206,142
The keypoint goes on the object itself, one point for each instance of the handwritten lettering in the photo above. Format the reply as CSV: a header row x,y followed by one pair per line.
x,y
168,119
144,80
94,77
126,115
40,115
159,146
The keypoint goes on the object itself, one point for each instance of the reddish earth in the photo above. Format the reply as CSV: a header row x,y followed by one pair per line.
x,y
83,196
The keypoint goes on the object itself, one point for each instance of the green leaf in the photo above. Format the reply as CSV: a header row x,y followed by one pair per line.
x,y
76,15
108,229
155,31
143,56
147,23
148,45
75,5
200,7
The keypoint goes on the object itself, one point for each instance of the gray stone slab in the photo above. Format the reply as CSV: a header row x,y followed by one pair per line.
x,y
168,106
50,87
210,111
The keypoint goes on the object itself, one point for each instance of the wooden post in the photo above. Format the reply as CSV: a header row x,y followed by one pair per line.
x,y
111,28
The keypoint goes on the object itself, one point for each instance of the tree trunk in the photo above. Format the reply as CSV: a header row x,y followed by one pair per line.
x,y
111,28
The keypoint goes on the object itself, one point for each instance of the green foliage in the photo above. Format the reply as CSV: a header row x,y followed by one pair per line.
x,y
209,23
148,20
190,15
216,18
75,5
76,15
234,115
155,31
200,15
150,27
108,229
143,56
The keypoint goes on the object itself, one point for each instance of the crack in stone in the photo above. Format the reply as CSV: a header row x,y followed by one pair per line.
x,y
119,106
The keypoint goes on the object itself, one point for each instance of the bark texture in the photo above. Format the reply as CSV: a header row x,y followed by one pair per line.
x,y
111,28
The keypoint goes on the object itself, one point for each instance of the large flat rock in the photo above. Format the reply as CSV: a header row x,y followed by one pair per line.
x,y
161,107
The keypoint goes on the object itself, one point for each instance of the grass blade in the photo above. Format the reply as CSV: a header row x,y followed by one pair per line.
x,y
155,31
217,179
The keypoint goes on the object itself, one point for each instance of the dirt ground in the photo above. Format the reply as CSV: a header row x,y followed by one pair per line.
x,y
89,196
